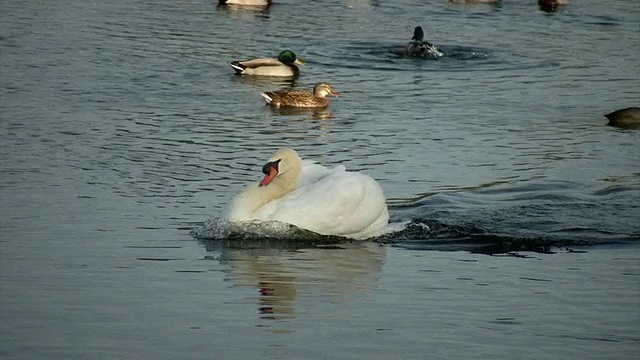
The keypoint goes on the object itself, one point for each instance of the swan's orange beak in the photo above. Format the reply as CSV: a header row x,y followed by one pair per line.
x,y
270,170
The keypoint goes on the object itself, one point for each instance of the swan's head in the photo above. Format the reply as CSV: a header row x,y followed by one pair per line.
x,y
323,90
285,162
418,34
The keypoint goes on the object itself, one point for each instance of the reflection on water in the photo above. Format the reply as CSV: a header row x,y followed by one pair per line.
x,y
319,114
392,57
263,83
280,276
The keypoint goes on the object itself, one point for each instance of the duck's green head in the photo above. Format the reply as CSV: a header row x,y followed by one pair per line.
x,y
418,34
289,57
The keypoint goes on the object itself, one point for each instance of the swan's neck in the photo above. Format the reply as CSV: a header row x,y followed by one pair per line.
x,y
254,197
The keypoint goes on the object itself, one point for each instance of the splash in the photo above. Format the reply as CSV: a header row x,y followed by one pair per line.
x,y
415,234
251,234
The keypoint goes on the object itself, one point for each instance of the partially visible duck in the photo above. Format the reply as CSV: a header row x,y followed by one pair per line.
x,y
245,2
284,65
628,118
301,98
551,5
418,47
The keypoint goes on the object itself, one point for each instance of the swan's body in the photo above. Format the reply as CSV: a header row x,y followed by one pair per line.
x,y
284,66
301,98
310,196
417,47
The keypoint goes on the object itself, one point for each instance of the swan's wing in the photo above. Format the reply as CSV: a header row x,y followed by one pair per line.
x,y
338,203
312,172
366,212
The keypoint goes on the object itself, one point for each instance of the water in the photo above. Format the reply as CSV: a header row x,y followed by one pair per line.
x,y
124,133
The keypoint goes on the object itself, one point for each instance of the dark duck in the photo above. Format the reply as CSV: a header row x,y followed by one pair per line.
x,y
417,47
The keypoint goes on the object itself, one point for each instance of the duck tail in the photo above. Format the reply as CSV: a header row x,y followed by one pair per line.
x,y
239,68
267,97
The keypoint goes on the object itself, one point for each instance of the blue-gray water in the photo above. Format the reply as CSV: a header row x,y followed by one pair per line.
x,y
124,133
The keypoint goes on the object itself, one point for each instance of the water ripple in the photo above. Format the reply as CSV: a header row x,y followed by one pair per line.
x,y
389,57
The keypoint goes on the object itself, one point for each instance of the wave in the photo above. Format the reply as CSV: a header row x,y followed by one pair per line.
x,y
416,234
391,57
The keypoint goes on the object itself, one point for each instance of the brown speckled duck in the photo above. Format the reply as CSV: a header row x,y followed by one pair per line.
x,y
301,98
628,118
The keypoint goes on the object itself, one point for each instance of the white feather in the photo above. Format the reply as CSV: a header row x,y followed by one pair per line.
x,y
326,201
267,98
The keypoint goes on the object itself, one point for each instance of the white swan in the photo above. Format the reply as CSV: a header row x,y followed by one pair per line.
x,y
310,196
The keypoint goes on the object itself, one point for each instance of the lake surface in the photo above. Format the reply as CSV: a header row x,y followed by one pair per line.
x,y
124,134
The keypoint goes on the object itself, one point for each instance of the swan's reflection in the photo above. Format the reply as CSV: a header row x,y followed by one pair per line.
x,y
285,278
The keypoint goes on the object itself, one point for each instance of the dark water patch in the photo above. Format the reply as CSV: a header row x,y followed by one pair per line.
x,y
589,338
157,259
597,20
506,321
576,252
536,216
534,279
391,57
616,189
435,235
416,235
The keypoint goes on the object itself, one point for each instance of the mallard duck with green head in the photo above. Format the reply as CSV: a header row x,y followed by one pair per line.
x,y
417,47
301,98
284,65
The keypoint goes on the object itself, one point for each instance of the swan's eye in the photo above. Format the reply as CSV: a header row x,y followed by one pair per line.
x,y
269,165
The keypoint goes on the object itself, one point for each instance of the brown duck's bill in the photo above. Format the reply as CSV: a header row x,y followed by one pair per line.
x,y
334,93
